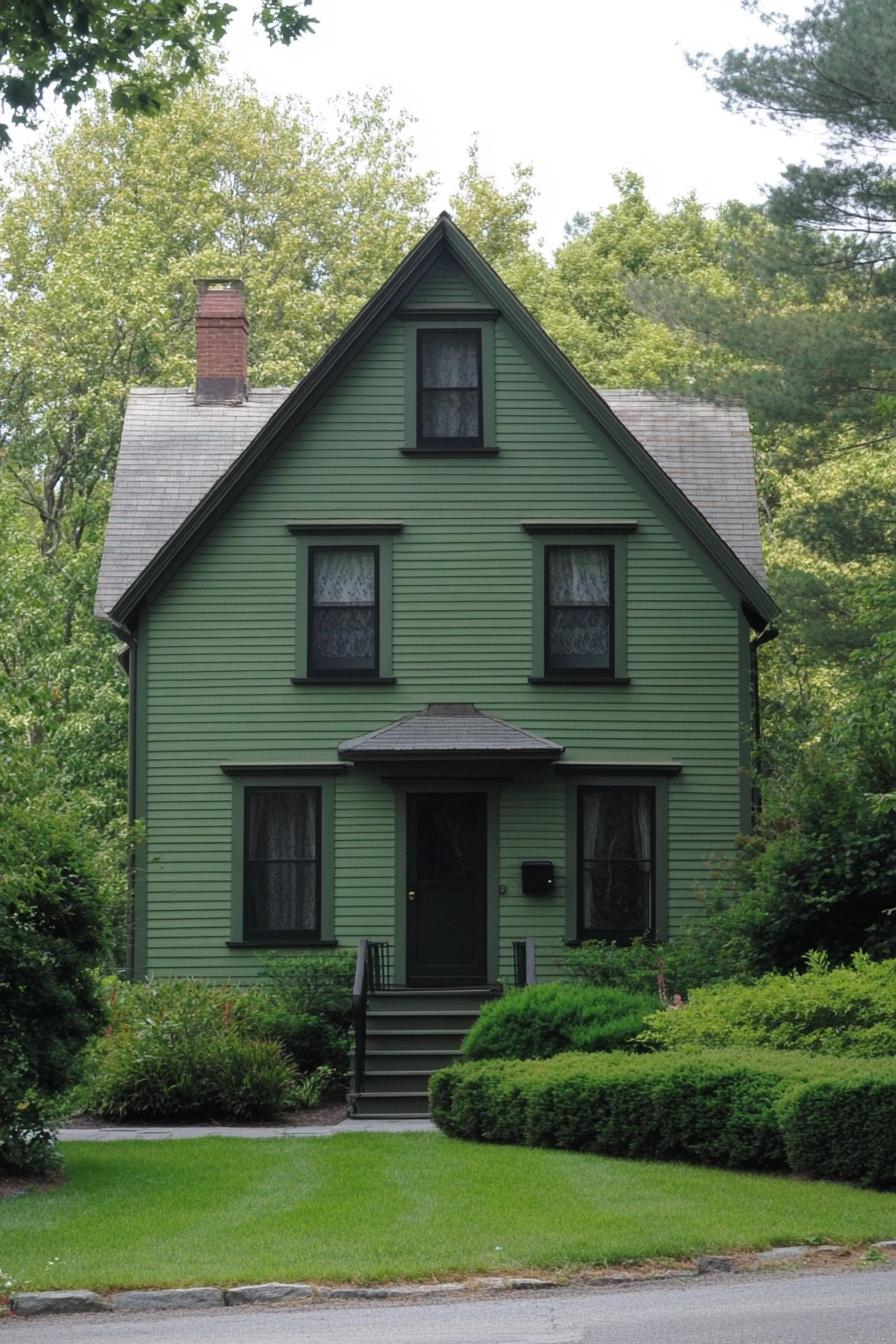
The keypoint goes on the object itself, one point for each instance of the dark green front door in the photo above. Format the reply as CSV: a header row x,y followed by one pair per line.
x,y
446,895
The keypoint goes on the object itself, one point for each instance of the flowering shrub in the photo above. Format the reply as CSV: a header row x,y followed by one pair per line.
x,y
850,1010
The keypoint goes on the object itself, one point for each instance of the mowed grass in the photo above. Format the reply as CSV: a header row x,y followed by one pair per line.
x,y
371,1207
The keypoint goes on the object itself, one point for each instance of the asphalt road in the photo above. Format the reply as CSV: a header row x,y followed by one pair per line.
x,y
853,1307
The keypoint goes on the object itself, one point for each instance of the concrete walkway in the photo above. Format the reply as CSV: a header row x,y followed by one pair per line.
x,y
108,1134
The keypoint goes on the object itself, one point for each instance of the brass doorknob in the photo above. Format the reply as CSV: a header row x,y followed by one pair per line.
x,y
412,895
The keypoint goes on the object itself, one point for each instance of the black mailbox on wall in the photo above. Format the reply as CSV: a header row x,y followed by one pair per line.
x,y
538,877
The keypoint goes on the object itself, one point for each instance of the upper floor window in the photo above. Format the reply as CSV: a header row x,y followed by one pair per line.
x,y
281,879
343,611
578,623
616,862
449,388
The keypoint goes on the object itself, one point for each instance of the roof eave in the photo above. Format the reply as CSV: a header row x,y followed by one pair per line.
x,y
443,234
451,754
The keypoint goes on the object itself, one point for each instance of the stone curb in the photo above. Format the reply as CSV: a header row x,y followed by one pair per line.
x,y
172,1299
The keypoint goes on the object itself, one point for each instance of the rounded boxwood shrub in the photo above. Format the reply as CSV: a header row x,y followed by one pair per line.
x,y
850,1010
546,1020
844,1128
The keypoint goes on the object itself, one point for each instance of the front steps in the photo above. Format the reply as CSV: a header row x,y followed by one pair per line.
x,y
410,1034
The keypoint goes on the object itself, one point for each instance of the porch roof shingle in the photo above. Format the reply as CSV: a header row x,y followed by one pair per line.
x,y
449,730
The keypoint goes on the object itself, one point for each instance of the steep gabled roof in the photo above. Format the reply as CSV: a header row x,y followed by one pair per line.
x,y
126,581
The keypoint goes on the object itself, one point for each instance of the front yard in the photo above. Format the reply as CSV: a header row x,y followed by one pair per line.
x,y
375,1207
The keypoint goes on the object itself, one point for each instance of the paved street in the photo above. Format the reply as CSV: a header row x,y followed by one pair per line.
x,y
855,1307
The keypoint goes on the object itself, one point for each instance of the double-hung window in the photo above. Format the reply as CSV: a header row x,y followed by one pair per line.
x,y
616,862
343,611
579,609
449,388
344,600
281,865
580,599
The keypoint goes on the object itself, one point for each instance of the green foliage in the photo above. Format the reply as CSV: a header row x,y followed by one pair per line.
x,y
548,1019
183,1050
64,48
103,230
722,1108
842,1128
708,950
305,1003
52,932
715,1108
846,1011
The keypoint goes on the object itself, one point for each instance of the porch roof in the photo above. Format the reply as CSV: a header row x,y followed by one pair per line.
x,y
456,731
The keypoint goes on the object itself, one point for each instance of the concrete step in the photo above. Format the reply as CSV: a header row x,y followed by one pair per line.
x,y
364,1104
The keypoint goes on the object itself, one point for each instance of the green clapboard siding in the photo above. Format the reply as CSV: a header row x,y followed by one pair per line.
x,y
219,654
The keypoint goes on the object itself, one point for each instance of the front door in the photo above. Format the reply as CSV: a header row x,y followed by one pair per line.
x,y
446,889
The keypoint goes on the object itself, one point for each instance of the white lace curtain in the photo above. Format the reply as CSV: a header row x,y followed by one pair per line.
x,y
344,577
449,385
579,599
616,824
343,628
282,858
580,576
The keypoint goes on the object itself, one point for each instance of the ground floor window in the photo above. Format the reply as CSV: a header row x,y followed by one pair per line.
x,y
281,873
616,867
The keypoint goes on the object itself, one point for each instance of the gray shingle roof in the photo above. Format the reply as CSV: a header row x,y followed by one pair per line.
x,y
449,730
172,453
708,452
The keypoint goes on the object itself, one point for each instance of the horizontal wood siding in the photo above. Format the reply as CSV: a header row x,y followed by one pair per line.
x,y
221,653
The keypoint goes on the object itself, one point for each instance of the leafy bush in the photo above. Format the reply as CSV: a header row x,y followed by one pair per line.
x,y
183,1050
846,1011
708,950
305,1002
52,933
749,1109
548,1019
844,1128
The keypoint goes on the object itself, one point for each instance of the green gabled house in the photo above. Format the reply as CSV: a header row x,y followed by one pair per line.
x,y
442,649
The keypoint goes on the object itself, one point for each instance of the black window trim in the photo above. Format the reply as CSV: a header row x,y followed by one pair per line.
x,y
470,443
265,937
314,673
623,938
607,673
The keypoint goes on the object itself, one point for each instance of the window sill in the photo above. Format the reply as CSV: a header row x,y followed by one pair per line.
x,y
342,681
449,452
283,942
573,680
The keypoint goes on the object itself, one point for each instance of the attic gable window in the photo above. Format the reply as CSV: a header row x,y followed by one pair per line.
x,y
449,388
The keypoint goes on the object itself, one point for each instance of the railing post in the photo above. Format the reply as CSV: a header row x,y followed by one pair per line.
x,y
359,1011
531,978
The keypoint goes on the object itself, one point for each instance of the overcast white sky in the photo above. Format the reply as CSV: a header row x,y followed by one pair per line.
x,y
578,88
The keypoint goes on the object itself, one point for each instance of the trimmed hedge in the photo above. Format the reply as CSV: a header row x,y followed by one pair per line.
x,y
759,1110
550,1019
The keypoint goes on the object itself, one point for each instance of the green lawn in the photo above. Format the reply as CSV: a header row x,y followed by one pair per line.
x,y
368,1207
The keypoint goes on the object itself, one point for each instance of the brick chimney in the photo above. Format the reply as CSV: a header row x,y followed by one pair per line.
x,y
222,332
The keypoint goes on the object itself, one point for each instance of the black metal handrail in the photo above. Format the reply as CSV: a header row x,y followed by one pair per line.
x,y
373,971
523,962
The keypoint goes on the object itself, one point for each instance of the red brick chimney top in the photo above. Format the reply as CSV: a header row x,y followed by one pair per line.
x,y
222,336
